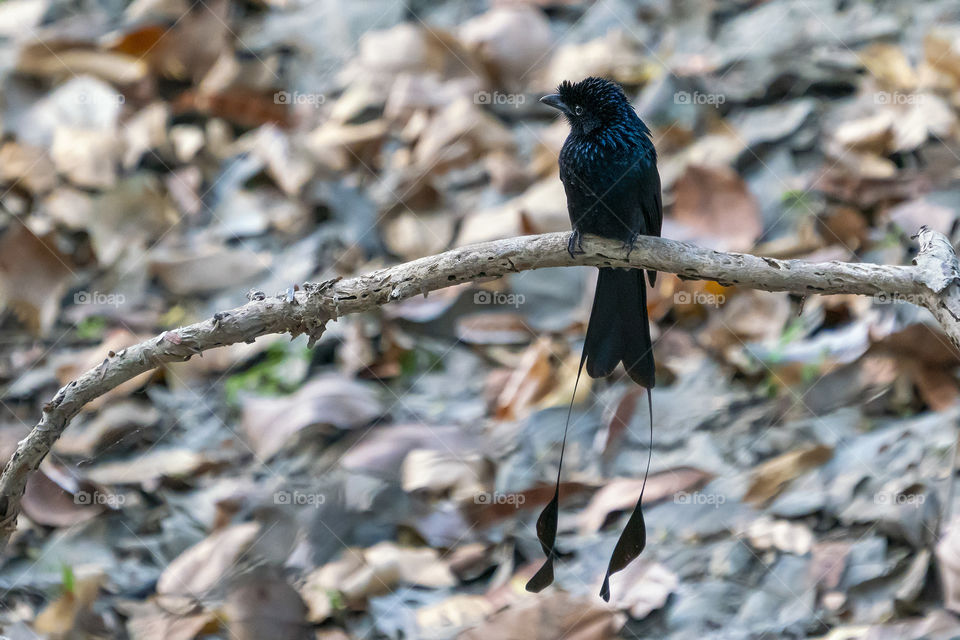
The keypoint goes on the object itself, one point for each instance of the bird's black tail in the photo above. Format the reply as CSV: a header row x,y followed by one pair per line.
x,y
619,329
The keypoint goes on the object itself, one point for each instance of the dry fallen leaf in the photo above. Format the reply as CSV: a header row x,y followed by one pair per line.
x,y
262,604
620,494
361,573
59,617
453,615
773,475
493,328
790,537
56,504
551,616
642,588
204,565
528,383
269,423
441,471
717,205
150,622
149,468
34,275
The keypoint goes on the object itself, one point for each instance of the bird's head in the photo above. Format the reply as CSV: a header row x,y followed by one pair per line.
x,y
593,104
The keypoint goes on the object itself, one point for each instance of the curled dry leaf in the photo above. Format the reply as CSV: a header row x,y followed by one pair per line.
x,y
551,616
34,275
620,494
439,472
269,423
150,622
770,478
528,382
193,573
150,468
455,614
361,573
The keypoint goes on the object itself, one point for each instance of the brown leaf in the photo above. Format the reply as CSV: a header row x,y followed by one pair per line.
x,y
270,422
937,387
442,472
209,270
620,494
551,616
150,467
948,555
149,622
528,382
772,476
34,275
360,573
716,203
621,417
60,617
493,328
456,613
47,502
264,605
483,513
204,565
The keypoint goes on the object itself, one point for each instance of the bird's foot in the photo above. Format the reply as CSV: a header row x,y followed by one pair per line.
x,y
630,244
575,244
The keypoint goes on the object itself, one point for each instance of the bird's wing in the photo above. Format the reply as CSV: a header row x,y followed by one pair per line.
x,y
651,206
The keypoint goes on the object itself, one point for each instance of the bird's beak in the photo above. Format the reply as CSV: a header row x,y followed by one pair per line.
x,y
554,100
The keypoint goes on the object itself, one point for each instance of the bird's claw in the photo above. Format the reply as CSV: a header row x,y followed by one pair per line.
x,y
575,244
630,244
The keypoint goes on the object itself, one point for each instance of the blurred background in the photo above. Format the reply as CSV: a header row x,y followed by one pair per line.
x,y
161,158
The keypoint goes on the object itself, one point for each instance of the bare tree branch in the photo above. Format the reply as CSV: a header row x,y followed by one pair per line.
x,y
933,283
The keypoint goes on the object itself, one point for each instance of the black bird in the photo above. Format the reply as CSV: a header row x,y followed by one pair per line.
x,y
608,166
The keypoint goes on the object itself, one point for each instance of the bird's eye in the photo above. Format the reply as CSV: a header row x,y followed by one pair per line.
x,y
578,110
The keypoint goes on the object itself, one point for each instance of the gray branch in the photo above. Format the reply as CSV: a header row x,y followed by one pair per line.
x,y
932,283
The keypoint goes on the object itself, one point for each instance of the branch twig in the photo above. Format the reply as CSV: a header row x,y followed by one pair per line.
x,y
933,283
